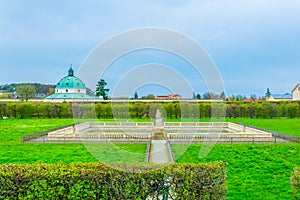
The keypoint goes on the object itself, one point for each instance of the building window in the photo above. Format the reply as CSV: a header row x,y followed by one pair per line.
x,y
67,91
67,83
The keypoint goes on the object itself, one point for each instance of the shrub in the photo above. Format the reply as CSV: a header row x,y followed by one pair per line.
x,y
295,181
292,110
25,110
97,181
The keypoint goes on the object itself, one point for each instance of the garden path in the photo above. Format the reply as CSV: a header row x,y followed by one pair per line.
x,y
159,152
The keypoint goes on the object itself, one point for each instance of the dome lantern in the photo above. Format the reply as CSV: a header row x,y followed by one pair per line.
x,y
71,71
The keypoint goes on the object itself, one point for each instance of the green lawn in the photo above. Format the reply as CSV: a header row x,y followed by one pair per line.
x,y
284,125
12,130
255,171
288,126
12,150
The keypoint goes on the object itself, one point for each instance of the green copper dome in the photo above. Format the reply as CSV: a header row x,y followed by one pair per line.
x,y
70,82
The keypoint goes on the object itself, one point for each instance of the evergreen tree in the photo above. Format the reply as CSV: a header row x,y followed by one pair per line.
x,y
233,97
208,95
268,93
101,90
253,97
136,95
194,95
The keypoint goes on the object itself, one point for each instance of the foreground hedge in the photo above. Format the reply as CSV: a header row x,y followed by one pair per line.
x,y
295,181
97,181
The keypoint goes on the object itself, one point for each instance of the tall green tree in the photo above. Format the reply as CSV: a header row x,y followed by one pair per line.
x,y
136,96
90,92
208,95
253,97
268,93
101,90
194,95
26,91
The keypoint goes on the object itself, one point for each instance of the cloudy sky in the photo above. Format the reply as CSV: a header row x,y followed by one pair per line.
x,y
255,44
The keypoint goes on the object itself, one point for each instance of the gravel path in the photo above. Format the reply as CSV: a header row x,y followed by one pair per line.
x,y
159,152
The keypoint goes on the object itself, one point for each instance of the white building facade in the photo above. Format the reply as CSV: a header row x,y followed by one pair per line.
x,y
296,93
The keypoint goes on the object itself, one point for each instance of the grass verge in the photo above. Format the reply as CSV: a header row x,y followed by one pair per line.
x,y
12,150
255,171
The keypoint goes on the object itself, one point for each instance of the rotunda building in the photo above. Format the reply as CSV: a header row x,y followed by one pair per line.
x,y
70,88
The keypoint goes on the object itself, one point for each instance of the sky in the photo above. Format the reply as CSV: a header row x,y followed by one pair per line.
x,y
255,44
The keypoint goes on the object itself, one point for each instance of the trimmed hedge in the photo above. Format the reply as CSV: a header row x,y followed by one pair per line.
x,y
170,110
97,181
295,181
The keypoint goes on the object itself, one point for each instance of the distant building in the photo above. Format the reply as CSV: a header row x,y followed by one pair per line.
x,y
169,97
39,95
296,92
69,89
280,97
295,96
253,99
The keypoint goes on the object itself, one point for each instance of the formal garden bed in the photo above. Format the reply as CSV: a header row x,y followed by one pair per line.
x,y
255,171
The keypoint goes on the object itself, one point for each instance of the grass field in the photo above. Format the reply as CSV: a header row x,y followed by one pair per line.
x,y
255,171
288,126
13,151
284,125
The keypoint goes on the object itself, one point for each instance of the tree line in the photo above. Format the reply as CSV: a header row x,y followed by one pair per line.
x,y
40,88
144,110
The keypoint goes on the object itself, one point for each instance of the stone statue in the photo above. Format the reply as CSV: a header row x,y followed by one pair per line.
x,y
158,115
159,121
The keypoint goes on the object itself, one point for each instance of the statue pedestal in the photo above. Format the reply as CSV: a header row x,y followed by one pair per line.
x,y
159,130
158,134
159,123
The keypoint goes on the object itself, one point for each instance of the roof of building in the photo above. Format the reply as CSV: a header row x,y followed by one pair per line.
x,y
70,96
71,71
70,82
298,85
169,96
282,96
